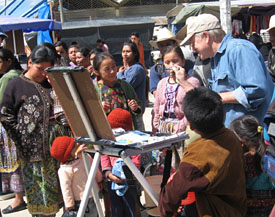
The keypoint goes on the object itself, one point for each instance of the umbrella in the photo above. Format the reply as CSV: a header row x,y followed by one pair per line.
x,y
28,24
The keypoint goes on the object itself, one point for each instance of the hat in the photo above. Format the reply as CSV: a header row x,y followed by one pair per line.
x,y
62,147
200,23
181,34
163,35
120,118
3,34
271,23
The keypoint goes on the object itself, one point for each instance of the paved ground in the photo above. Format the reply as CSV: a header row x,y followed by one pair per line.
x,y
25,213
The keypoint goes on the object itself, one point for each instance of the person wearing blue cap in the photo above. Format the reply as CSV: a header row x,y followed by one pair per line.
x,y
3,36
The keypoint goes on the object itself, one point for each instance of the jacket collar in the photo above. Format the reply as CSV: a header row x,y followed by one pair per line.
x,y
224,43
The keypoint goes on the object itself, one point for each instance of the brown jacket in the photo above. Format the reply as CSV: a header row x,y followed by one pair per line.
x,y
213,168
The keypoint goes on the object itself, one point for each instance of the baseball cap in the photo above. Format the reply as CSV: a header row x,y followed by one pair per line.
x,y
200,23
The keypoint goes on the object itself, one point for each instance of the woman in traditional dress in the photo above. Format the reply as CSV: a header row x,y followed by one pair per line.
x,y
11,177
27,115
113,92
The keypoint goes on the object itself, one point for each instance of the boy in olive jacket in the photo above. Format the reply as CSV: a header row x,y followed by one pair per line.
x,y
212,166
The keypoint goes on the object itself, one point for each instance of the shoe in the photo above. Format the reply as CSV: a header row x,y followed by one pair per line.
x,y
6,196
149,104
69,213
9,209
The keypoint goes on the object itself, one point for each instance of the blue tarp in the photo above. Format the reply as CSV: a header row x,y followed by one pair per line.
x,y
44,13
28,24
21,8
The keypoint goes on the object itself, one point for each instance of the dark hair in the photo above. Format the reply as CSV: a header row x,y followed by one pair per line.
x,y
73,45
52,48
17,64
96,51
134,49
173,48
99,59
100,40
6,54
243,36
84,51
203,108
44,52
256,40
61,44
135,34
250,130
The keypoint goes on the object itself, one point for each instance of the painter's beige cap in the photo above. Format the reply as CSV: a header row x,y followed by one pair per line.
x,y
200,23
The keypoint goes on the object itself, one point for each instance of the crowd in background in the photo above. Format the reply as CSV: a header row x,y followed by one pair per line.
x,y
218,88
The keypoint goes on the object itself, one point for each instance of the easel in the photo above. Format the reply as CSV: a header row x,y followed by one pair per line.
x,y
86,117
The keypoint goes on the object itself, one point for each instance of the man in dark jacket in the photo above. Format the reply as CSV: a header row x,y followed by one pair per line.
x,y
212,166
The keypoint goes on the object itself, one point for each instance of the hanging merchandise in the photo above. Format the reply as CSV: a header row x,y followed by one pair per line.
x,y
237,27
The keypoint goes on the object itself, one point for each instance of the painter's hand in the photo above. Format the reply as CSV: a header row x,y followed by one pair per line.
x,y
114,178
180,74
181,78
133,104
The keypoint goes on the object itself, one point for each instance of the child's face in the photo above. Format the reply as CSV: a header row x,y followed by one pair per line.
x,y
248,150
171,60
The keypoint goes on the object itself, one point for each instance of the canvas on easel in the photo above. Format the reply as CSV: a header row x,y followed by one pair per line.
x,y
88,96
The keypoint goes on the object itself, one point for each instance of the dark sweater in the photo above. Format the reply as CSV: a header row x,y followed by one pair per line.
x,y
25,113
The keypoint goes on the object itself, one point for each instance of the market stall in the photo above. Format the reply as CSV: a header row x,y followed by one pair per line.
x,y
15,26
253,14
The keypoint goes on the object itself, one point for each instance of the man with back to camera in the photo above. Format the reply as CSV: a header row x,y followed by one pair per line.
x,y
212,166
238,71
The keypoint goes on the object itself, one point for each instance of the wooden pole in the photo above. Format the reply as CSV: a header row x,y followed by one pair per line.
x,y
52,17
61,11
225,15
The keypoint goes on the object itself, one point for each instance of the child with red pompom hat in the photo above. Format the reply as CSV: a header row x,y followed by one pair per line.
x,y
72,176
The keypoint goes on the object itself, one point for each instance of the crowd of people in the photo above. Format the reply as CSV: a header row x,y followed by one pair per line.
x,y
222,95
